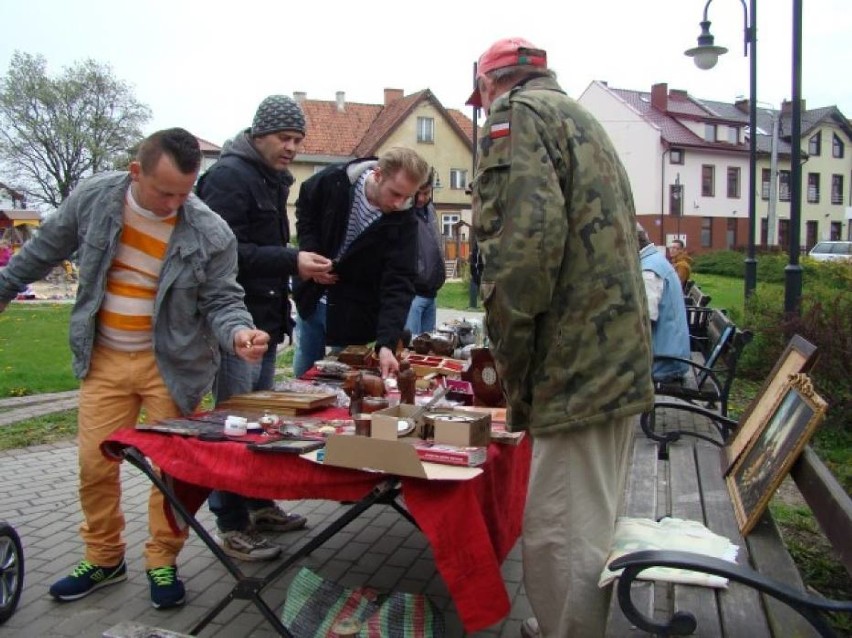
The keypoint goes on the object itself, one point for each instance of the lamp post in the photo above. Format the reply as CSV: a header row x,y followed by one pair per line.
x,y
793,271
705,55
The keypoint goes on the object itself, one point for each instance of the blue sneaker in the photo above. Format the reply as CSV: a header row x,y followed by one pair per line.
x,y
166,588
86,578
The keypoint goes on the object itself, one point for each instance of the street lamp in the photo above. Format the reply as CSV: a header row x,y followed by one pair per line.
x,y
705,56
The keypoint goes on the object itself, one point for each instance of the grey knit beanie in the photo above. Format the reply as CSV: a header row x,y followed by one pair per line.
x,y
278,113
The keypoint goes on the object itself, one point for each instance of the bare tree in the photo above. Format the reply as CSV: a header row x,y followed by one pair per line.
x,y
56,131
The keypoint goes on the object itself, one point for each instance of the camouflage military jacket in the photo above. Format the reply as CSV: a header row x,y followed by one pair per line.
x,y
561,283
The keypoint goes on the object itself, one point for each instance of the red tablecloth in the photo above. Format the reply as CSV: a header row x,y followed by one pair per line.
x,y
471,525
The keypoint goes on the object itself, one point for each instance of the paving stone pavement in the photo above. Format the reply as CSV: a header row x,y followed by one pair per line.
x,y
38,496
38,492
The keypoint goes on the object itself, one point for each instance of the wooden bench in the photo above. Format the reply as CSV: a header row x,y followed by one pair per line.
x,y
713,369
765,596
694,297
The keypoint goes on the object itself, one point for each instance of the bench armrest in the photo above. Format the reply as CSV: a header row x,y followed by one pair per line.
x,y
683,623
724,425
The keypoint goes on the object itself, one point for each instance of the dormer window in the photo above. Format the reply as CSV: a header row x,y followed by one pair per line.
x,y
815,144
836,147
710,132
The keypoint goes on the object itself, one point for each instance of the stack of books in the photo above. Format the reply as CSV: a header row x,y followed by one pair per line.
x,y
451,454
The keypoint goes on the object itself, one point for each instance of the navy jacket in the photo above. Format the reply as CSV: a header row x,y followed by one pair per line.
x,y
252,198
371,299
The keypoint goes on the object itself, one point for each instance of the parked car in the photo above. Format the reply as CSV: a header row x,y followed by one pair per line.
x,y
832,251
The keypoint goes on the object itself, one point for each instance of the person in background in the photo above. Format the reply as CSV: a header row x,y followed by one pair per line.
x,y
5,253
157,286
431,271
566,315
667,310
681,261
359,214
249,186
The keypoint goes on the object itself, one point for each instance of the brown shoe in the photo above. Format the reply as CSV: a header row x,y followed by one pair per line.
x,y
274,519
529,629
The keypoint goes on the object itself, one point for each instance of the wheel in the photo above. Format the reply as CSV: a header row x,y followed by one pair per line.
x,y
11,570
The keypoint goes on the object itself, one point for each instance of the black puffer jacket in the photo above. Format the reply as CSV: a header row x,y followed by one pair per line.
x,y
252,198
431,269
370,301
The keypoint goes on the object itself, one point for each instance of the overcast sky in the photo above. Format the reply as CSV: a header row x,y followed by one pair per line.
x,y
206,65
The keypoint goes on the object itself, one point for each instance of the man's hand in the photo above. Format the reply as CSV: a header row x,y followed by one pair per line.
x,y
312,264
387,362
251,344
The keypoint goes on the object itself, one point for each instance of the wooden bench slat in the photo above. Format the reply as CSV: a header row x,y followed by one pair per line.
x,y
737,603
686,504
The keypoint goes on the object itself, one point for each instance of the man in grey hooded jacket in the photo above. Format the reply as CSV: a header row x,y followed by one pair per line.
x,y
157,298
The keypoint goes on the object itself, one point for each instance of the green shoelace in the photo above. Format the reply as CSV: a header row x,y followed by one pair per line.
x,y
163,575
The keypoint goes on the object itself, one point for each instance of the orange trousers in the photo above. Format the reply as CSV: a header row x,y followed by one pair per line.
x,y
118,387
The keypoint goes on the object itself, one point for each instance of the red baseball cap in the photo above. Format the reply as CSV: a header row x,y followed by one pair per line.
x,y
503,53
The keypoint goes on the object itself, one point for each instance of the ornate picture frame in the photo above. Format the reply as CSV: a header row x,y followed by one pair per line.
x,y
780,438
799,356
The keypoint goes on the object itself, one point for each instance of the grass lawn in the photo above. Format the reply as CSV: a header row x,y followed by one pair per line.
x,y
34,349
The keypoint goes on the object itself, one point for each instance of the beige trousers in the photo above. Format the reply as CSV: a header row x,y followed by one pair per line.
x,y
576,484
119,385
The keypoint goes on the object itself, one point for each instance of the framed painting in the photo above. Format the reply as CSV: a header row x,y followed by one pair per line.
x,y
799,356
779,440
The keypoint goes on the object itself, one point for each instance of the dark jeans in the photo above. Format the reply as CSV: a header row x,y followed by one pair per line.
x,y
236,376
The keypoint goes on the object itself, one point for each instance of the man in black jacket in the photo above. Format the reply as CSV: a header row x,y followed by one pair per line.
x,y
431,268
358,214
249,187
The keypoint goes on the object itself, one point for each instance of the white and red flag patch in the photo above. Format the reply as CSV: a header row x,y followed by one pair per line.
x,y
501,129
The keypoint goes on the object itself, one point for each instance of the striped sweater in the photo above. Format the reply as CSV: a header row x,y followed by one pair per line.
x,y
124,318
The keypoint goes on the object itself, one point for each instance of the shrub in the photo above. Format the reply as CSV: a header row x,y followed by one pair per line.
x,y
825,321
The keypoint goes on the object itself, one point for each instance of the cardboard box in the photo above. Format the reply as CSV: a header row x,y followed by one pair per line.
x,y
397,457
386,422
467,428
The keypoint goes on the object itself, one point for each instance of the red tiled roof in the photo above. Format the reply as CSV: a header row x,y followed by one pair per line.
x,y
671,130
463,121
332,131
208,147
358,130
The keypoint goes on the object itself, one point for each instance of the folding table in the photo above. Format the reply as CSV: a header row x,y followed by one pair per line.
x,y
471,525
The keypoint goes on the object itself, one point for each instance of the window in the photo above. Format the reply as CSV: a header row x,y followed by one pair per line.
x,y
784,186
710,132
765,176
426,130
458,178
708,179
815,143
783,232
733,134
675,199
706,232
836,147
837,189
810,233
731,234
834,231
813,188
676,156
448,220
733,181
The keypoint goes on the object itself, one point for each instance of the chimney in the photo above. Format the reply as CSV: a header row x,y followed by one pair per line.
x,y
299,96
660,96
340,96
787,107
742,105
392,95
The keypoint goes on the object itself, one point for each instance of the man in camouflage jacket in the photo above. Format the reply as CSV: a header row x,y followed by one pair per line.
x,y
567,319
